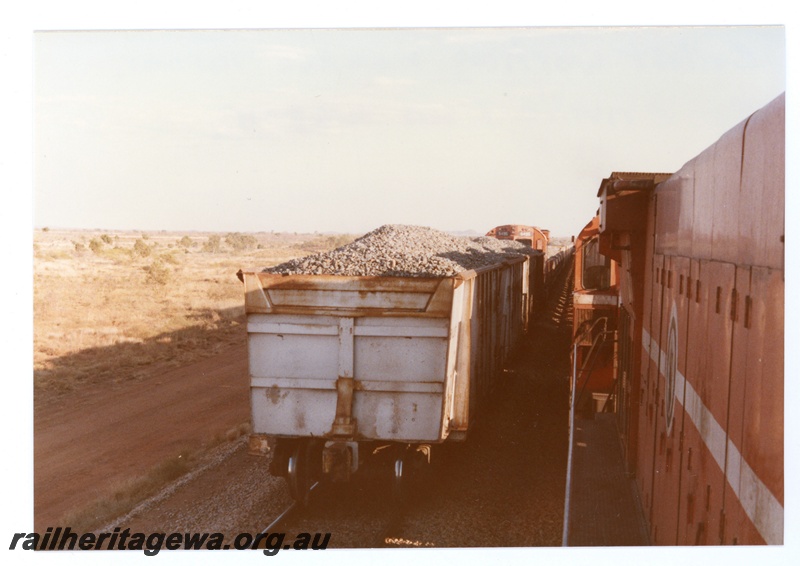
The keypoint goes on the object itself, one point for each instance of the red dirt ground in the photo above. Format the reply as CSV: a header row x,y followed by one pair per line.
x,y
87,443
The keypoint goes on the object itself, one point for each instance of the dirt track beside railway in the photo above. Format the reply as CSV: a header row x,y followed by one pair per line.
x,y
87,445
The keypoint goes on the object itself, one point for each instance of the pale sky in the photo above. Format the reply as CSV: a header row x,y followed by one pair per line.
x,y
346,130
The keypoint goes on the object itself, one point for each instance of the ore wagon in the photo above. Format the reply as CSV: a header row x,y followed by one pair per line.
x,y
343,365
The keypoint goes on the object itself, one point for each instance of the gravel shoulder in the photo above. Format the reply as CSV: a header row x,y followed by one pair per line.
x,y
231,493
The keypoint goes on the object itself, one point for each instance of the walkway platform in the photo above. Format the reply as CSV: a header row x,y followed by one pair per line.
x,y
604,507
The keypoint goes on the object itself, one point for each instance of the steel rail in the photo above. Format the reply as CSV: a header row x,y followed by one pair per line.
x,y
286,513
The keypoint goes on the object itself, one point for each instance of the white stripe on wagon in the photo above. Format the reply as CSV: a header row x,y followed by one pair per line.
x,y
763,508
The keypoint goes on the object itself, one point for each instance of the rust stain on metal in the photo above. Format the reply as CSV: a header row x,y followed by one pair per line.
x,y
274,394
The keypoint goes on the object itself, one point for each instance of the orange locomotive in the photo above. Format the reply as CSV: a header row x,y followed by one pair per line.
x,y
528,235
543,269
697,379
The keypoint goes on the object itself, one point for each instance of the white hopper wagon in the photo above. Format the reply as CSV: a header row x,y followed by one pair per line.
x,y
340,365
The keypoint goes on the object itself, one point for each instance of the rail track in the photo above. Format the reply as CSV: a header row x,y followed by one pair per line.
x,y
361,519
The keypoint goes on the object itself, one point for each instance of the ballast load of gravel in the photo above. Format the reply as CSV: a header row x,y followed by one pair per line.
x,y
396,250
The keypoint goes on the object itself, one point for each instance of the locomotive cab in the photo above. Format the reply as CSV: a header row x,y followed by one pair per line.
x,y
531,236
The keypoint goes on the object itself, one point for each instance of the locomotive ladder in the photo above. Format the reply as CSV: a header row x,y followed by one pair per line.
x,y
594,353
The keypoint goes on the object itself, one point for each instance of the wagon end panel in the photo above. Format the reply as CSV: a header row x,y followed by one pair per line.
x,y
418,297
292,362
348,358
400,368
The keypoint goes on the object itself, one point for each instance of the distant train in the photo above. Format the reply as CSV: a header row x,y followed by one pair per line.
x,y
531,236
679,324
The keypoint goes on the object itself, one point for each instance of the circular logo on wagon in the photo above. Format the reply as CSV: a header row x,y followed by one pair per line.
x,y
671,369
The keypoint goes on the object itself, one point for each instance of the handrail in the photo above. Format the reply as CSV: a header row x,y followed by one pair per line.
x,y
598,341
576,339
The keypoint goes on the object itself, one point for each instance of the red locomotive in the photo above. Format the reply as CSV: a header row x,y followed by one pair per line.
x,y
690,281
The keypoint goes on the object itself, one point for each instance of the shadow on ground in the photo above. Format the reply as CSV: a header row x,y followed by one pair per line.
x,y
207,332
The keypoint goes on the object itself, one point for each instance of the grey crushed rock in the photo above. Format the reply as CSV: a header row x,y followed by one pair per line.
x,y
396,250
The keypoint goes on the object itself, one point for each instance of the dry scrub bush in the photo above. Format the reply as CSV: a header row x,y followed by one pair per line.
x,y
141,249
157,272
241,242
169,257
96,245
213,244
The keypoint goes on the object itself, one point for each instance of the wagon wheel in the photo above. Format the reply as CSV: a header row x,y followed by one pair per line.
x,y
298,473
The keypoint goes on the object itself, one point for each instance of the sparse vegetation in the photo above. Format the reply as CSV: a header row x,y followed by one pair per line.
x,y
241,241
321,243
141,249
170,258
133,309
157,272
113,314
96,245
213,245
